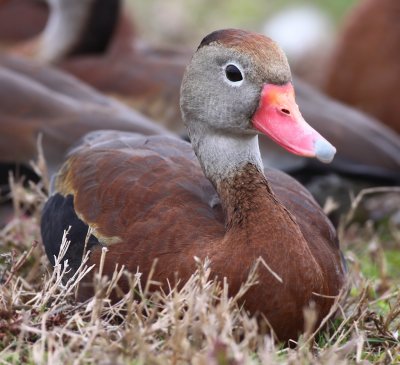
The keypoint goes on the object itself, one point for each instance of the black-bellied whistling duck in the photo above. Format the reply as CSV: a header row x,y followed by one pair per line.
x,y
365,67
148,197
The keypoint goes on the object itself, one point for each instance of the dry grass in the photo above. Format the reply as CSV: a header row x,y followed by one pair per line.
x,y
40,323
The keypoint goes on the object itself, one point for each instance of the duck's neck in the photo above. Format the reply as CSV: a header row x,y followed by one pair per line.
x,y
78,27
233,164
246,198
222,155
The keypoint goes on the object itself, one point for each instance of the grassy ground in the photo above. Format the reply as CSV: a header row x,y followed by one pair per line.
x,y
40,323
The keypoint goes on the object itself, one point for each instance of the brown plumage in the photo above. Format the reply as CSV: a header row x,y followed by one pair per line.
x,y
365,68
147,197
169,215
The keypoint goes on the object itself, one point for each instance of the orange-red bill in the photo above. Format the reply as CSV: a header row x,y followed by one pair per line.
x,y
279,117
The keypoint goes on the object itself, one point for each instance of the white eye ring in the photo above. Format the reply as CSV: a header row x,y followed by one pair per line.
x,y
236,72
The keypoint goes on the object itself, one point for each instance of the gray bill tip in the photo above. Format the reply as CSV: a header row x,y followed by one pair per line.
x,y
324,151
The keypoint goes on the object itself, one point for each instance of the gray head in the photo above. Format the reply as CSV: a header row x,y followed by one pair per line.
x,y
238,84
222,85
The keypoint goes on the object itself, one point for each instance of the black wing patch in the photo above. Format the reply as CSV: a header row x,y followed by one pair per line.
x,y
58,215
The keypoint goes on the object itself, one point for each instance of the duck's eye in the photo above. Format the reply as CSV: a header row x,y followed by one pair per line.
x,y
233,73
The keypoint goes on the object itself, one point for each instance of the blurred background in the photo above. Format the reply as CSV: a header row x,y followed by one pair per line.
x,y
302,28
306,30
186,21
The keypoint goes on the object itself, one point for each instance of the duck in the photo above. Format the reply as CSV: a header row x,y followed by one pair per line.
x,y
159,197
364,69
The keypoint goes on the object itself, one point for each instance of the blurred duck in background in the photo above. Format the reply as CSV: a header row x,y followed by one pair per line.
x,y
365,68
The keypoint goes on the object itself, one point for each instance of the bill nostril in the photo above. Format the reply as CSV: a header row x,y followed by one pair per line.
x,y
285,111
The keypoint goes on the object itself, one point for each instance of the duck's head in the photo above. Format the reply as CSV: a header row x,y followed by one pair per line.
x,y
239,83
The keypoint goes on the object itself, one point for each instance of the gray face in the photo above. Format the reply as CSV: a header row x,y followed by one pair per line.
x,y
210,100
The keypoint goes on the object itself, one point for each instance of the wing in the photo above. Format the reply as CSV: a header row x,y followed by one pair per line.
x,y
127,186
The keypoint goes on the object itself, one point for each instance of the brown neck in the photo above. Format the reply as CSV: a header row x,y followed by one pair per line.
x,y
250,206
242,194
258,225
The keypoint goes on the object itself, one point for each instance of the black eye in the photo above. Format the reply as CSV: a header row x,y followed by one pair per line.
x,y
233,73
